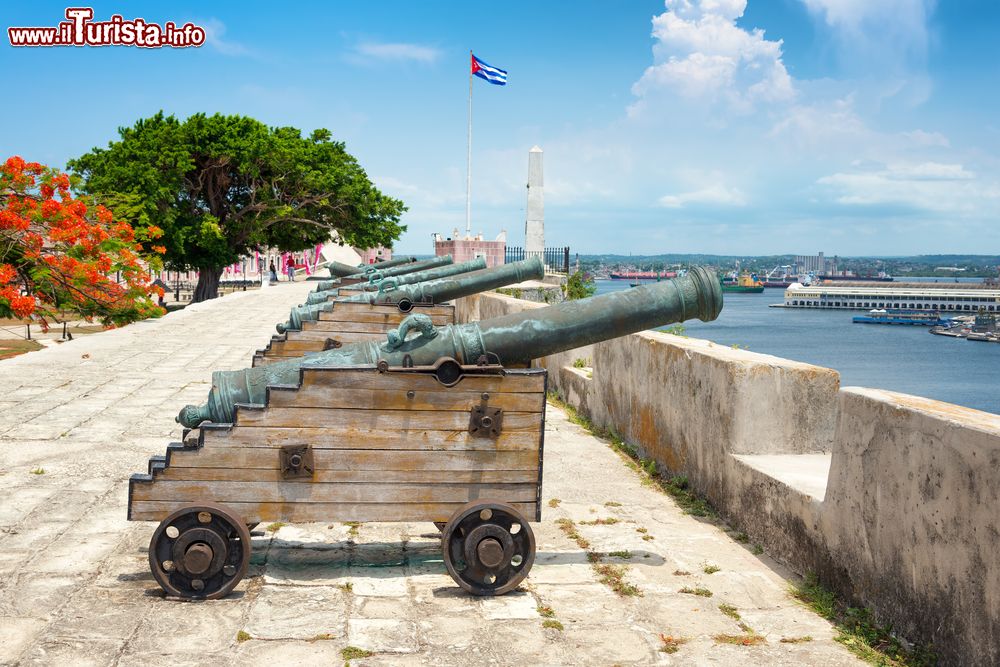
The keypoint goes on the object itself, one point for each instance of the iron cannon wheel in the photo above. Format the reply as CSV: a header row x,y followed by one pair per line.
x,y
200,552
488,547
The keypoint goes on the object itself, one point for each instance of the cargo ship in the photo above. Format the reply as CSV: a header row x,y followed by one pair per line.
x,y
781,276
900,316
881,277
745,283
641,275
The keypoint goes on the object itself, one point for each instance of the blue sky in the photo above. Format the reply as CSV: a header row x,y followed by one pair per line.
x,y
856,127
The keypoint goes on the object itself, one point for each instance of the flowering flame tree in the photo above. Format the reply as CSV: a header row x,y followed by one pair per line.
x,y
61,254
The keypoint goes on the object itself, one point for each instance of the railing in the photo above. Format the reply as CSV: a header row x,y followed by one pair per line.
x,y
556,260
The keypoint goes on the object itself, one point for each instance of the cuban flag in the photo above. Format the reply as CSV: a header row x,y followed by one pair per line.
x,y
494,75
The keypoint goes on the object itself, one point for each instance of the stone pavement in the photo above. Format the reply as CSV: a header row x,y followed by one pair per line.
x,y
76,420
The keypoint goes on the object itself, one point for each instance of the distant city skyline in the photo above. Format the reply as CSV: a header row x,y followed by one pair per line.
x,y
686,126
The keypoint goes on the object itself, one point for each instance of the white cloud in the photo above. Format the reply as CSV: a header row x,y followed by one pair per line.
x,y
930,186
883,39
702,55
717,195
398,51
921,138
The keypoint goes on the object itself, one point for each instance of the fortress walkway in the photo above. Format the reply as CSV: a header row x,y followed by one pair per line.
x,y
77,419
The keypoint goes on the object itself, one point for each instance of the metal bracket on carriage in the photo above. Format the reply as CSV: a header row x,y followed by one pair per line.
x,y
447,371
331,344
296,461
484,420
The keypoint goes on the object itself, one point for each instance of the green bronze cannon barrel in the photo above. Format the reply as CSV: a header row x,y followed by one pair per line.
x,y
341,270
406,279
445,289
378,266
378,273
435,291
514,338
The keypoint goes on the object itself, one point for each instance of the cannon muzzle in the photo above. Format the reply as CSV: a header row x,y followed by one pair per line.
x,y
514,338
435,291
406,279
340,270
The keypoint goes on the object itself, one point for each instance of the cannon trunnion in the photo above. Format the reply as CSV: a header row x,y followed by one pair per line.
x,y
457,445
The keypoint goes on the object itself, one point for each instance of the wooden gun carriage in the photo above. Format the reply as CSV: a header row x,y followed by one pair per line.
x,y
451,444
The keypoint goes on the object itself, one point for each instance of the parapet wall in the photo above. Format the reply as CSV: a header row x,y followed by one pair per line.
x,y
892,500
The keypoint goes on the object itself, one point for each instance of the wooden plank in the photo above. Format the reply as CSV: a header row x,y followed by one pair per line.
x,y
398,399
311,492
311,512
392,309
367,325
369,378
336,334
356,459
326,438
332,321
356,476
391,420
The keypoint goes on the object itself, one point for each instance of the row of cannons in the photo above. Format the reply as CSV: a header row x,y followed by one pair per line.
x,y
373,404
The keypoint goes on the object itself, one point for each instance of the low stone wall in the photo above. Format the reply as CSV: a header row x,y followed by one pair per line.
x,y
892,500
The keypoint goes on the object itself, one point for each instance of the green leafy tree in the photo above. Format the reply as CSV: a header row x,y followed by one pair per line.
x,y
222,186
579,286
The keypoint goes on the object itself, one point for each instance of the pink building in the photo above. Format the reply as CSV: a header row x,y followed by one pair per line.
x,y
471,247
372,255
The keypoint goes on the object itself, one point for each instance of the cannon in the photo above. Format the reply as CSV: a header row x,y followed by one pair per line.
x,y
330,324
434,428
343,270
379,271
404,297
391,282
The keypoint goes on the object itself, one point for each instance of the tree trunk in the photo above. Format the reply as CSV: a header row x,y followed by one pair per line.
x,y
208,284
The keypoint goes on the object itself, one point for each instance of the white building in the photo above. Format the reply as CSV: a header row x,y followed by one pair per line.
x,y
912,296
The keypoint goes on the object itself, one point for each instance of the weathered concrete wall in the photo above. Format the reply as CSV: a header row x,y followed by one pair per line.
x,y
905,521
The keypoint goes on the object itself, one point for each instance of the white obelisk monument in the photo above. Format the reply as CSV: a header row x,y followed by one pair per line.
x,y
534,226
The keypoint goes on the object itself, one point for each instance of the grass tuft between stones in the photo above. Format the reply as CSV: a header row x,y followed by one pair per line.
x,y
355,653
671,644
553,624
730,611
858,631
740,640
243,636
698,590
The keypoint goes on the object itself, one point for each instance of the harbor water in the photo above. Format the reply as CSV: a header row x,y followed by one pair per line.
x,y
907,359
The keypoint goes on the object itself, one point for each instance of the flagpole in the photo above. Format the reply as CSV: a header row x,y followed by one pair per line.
x,y
468,174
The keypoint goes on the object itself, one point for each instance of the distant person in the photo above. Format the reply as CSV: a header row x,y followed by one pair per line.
x,y
273,277
291,272
160,298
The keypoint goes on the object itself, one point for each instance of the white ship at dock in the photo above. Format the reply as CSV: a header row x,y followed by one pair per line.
x,y
940,297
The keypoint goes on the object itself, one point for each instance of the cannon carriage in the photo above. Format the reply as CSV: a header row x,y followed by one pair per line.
x,y
440,426
356,444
